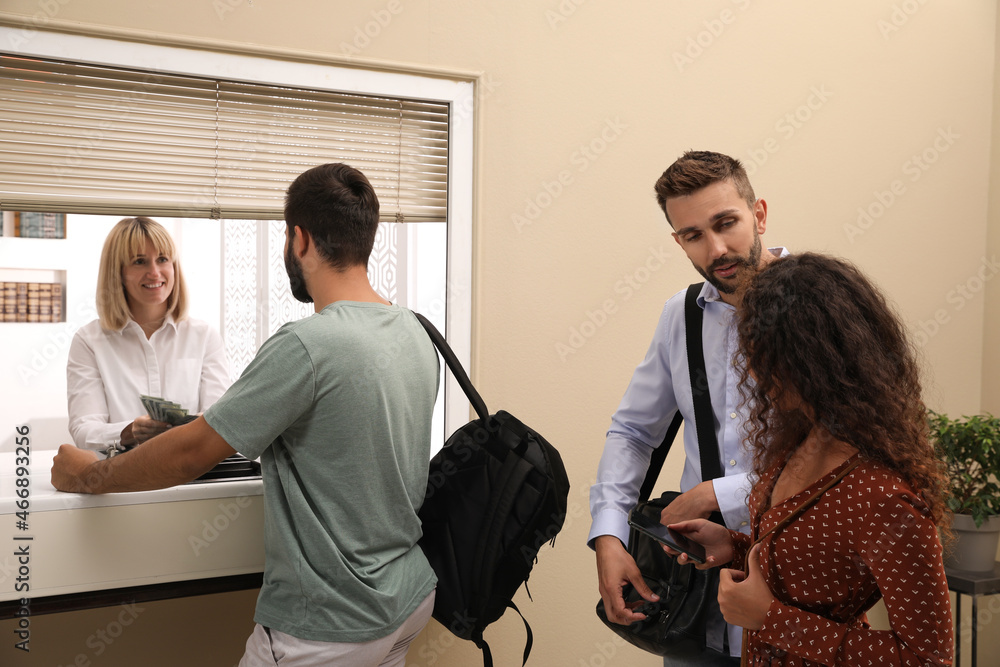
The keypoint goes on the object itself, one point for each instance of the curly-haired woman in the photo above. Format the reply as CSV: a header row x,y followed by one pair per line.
x,y
847,502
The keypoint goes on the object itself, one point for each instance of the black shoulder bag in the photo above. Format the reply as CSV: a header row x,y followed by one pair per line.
x,y
688,596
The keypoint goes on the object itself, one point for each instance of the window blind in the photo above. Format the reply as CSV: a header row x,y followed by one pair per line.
x,y
92,139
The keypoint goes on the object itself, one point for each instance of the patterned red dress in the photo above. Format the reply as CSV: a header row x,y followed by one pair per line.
x,y
868,537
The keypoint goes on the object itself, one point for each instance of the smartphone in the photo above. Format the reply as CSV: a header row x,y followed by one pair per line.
x,y
664,535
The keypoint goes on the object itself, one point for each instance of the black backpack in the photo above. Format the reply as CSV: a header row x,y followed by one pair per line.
x,y
496,493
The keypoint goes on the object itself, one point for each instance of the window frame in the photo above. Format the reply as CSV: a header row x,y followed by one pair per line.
x,y
322,73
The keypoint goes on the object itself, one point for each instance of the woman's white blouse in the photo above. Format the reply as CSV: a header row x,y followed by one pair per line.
x,y
183,362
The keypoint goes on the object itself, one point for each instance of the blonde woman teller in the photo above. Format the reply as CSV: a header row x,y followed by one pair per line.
x,y
143,343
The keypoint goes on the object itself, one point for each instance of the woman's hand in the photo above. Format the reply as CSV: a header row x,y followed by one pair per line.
x,y
696,503
145,427
745,599
716,539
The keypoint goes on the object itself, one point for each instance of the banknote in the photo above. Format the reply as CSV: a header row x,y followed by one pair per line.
x,y
163,410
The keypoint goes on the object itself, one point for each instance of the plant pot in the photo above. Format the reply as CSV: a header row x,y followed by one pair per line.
x,y
974,549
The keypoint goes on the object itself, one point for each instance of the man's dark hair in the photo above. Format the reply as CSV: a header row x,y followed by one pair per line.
x,y
337,205
697,169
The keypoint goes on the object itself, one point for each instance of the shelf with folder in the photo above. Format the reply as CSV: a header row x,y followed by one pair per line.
x,y
32,275
32,296
34,225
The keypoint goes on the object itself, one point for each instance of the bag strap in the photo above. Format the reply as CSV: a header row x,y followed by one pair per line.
x,y
704,419
708,444
478,640
812,500
451,359
658,457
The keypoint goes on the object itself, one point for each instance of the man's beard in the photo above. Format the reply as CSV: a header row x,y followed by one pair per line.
x,y
296,279
732,285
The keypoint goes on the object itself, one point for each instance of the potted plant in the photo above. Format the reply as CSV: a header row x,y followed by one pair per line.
x,y
970,447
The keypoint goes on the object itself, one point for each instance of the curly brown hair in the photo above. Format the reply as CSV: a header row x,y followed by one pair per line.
x,y
814,327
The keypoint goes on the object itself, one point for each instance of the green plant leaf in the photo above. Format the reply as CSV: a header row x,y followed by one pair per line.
x,y
970,448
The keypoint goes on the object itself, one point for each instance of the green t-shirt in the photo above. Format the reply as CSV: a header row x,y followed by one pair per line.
x,y
338,408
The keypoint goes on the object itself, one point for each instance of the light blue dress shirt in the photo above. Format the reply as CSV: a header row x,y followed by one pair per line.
x,y
660,386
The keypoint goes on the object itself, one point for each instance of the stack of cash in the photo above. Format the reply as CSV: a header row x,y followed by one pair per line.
x,y
163,410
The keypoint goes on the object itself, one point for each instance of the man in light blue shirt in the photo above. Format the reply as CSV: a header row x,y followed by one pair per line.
x,y
717,220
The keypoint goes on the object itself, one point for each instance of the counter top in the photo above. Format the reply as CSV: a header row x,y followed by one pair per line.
x,y
44,497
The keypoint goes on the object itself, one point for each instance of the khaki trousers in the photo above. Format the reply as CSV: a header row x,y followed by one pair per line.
x,y
272,648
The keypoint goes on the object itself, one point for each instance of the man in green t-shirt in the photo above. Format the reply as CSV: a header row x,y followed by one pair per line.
x,y
338,408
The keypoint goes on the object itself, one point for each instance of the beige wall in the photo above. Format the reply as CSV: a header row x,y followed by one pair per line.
x,y
828,102
991,329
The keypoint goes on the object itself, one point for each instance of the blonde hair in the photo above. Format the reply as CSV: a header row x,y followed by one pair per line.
x,y
126,240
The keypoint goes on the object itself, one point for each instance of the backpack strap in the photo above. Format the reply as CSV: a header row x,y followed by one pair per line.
x,y
708,444
451,359
485,648
488,657
527,629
